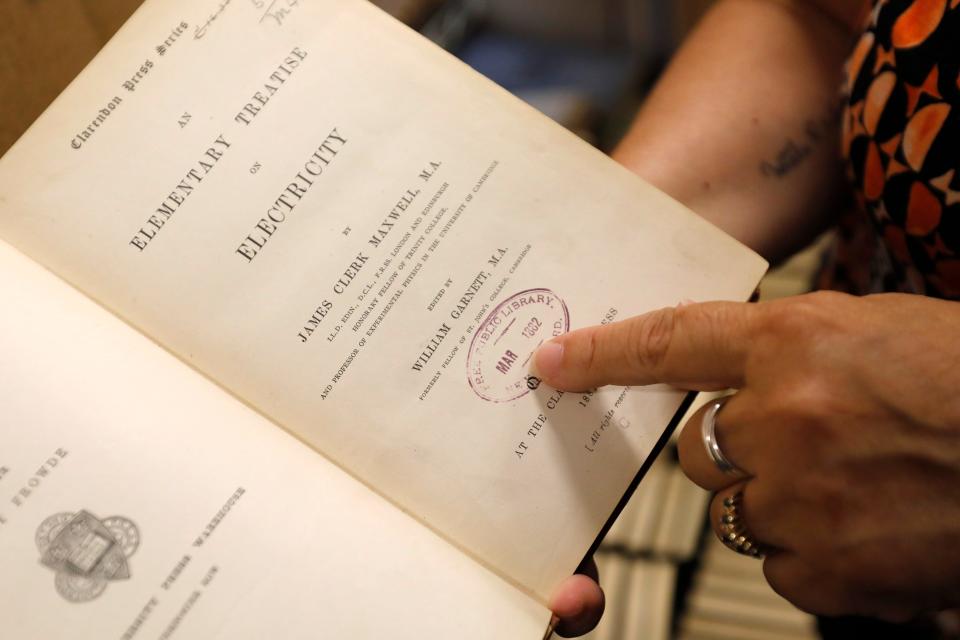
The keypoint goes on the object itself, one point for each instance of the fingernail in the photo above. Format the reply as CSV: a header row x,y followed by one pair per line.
x,y
686,302
548,359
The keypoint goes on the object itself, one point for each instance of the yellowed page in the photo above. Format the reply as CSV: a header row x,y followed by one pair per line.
x,y
227,527
365,240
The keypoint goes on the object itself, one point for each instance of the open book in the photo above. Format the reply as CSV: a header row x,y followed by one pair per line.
x,y
273,273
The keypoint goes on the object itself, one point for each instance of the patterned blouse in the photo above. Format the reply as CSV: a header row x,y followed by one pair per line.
x,y
901,142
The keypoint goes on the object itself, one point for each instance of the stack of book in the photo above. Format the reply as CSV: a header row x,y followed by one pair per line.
x,y
658,531
731,600
640,597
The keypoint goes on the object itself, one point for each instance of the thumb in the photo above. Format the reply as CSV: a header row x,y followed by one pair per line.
x,y
697,346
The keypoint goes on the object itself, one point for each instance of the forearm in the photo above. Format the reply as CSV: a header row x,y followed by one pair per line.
x,y
744,126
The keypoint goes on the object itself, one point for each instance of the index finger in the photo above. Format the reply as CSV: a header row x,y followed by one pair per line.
x,y
697,346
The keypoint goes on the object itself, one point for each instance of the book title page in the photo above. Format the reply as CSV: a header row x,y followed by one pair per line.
x,y
366,241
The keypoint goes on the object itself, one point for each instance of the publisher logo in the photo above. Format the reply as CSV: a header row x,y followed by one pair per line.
x,y
86,553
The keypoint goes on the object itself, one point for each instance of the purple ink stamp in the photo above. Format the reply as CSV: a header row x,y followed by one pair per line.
x,y
499,356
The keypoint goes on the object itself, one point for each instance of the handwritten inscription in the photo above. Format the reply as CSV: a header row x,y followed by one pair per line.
x,y
201,29
275,11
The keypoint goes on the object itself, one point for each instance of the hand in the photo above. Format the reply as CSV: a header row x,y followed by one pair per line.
x,y
846,427
579,602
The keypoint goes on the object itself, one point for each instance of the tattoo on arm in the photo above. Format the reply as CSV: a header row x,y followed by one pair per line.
x,y
796,150
791,156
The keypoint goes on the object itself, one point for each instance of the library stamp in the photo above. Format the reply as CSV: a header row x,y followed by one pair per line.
x,y
498,362
86,553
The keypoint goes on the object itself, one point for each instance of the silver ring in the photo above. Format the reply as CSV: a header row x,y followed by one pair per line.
x,y
708,430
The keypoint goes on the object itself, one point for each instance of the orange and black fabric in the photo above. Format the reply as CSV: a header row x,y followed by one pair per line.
x,y
901,141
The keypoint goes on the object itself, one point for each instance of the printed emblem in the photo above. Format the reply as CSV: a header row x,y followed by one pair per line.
x,y
86,553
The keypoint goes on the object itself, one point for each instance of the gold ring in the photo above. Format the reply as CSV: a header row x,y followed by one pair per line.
x,y
733,531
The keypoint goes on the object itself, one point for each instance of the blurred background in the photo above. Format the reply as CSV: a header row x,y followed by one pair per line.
x,y
587,65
